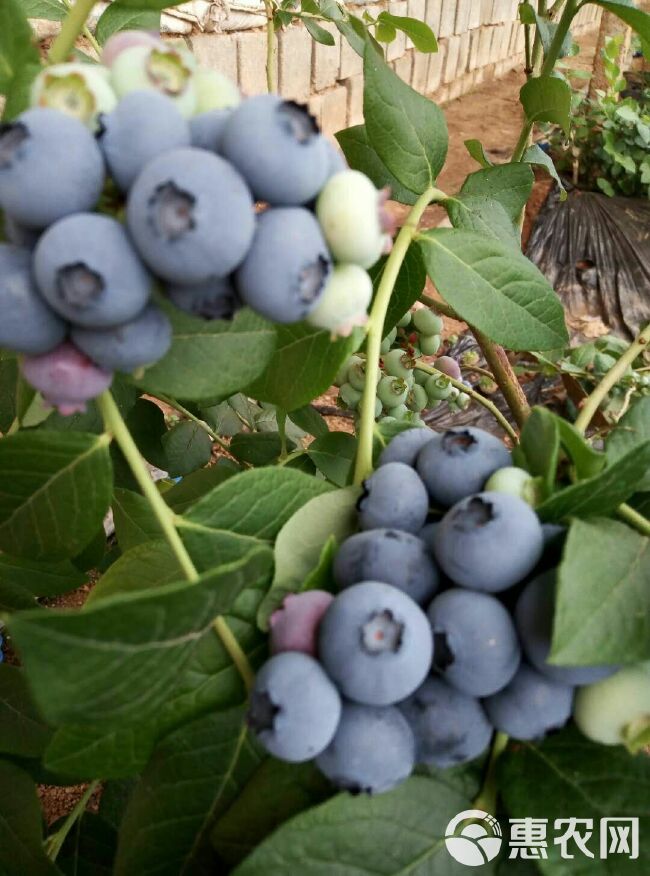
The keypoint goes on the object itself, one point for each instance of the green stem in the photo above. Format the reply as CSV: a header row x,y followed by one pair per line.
x,y
271,53
363,466
295,454
486,403
441,306
86,31
54,842
72,26
638,521
593,401
506,379
15,426
487,798
476,369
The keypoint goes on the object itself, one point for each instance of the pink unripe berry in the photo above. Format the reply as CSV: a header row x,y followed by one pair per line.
x,y
126,39
448,366
294,626
65,378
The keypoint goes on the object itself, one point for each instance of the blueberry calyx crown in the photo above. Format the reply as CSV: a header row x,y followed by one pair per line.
x,y
382,632
298,121
78,285
172,211
312,278
262,712
12,136
456,443
477,512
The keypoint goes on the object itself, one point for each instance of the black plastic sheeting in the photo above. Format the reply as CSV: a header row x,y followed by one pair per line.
x,y
595,251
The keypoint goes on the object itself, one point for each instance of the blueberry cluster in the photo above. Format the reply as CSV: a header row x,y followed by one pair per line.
x,y
404,392
150,173
426,648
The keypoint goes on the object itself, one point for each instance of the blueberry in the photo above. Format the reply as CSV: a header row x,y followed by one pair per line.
x,y
534,619
392,391
391,556
127,347
27,324
294,707
430,344
344,301
77,89
335,160
214,91
351,212
406,446
87,270
438,387
276,146
215,298
350,396
489,541
394,497
427,321
615,709
294,626
145,124
342,375
449,366
206,129
287,267
388,342
50,166
375,643
191,216
417,399
530,706
449,727
126,39
514,481
65,378
357,375
20,235
458,462
373,750
160,67
475,647
405,321
397,363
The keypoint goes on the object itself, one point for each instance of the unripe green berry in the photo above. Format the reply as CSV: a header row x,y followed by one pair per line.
x,y
430,344
378,408
350,396
214,91
463,401
420,376
397,363
514,481
470,357
453,395
388,341
76,89
417,398
438,388
608,711
427,321
400,412
392,391
357,375
405,320
342,373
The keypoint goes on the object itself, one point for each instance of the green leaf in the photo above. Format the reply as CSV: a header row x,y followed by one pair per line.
x,y
256,448
17,49
134,520
477,152
146,423
333,455
509,184
23,733
495,289
587,461
408,286
300,542
187,447
303,365
536,155
54,492
639,21
83,752
51,10
318,33
602,494
150,564
361,156
21,826
385,32
484,215
420,34
602,612
206,361
40,579
148,4
89,848
310,421
194,775
116,17
631,430
407,131
547,99
117,661
540,445
184,494
395,833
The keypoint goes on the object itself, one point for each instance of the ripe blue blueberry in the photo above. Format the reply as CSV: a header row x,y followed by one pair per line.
x,y
206,129
276,146
27,325
373,750
191,216
475,647
375,643
127,347
336,160
534,619
142,126
20,235
406,446
393,497
65,378
489,541
88,271
216,298
50,166
530,706
449,727
458,462
287,267
294,707
391,556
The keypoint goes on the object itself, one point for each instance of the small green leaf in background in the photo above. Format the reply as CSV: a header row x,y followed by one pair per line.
x,y
477,152
318,33
407,131
146,423
21,825
333,455
256,448
494,288
385,32
587,461
509,184
88,848
420,34
54,492
117,17
40,579
187,448
539,444
361,156
150,564
19,58
631,430
184,494
638,20
408,286
536,155
134,520
547,99
310,421
51,10
23,732
602,612
84,752
484,215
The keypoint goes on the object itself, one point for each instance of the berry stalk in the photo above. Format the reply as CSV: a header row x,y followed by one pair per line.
x,y
72,26
487,798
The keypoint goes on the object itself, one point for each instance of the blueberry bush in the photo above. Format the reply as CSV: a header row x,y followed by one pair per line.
x,y
307,652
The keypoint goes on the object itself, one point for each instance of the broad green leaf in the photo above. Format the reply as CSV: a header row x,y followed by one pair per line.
x,y
587,461
222,418
40,579
23,732
194,774
420,34
303,365
21,826
256,448
602,494
477,152
509,184
547,99
118,660
51,10
495,289
310,421
407,131
146,423
484,215
15,598
631,430
148,4
18,51
8,390
540,445
54,492
134,520
361,156
116,17
602,612
385,32
84,752
333,455
184,494
256,502
149,564
638,20
318,33
89,848
205,359
408,286
536,155
300,542
395,833
188,447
